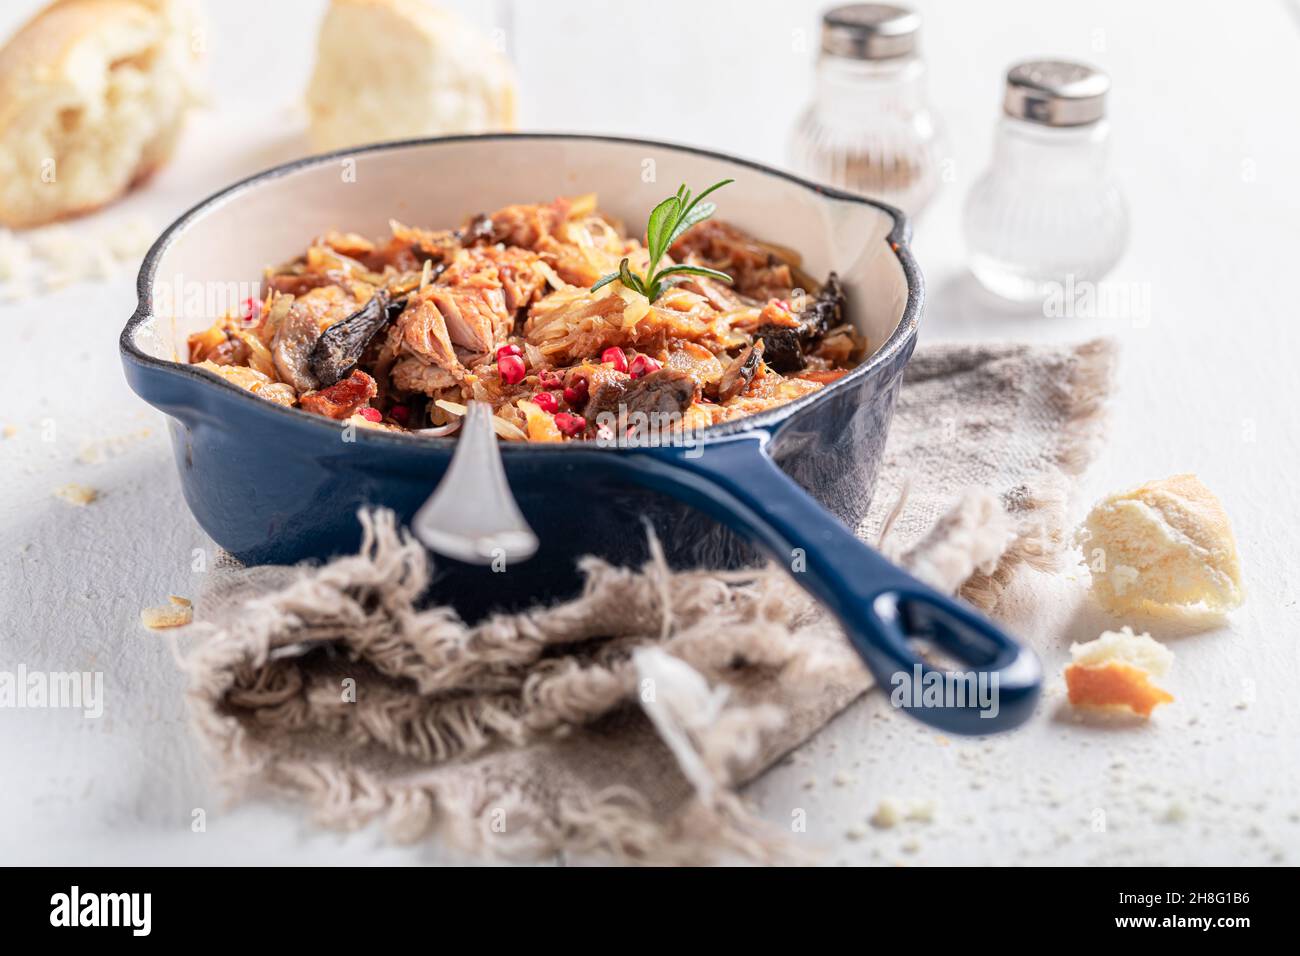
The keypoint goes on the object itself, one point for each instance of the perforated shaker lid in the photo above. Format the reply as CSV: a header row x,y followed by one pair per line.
x,y
870,31
1056,93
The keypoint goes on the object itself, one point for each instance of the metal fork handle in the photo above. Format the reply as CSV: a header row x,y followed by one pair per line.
x,y
472,515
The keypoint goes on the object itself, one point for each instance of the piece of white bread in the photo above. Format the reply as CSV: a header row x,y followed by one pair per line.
x,y
397,69
93,97
1115,671
1164,544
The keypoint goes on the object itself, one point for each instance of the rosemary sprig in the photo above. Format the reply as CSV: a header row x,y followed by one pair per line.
x,y
668,221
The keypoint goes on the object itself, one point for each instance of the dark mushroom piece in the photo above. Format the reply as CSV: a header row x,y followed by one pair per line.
x,y
786,345
782,348
652,403
666,393
827,311
737,376
339,347
395,308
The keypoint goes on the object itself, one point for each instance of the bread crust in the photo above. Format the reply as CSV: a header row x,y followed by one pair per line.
x,y
1114,685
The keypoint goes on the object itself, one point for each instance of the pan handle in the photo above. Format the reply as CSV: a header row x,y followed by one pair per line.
x,y
880,606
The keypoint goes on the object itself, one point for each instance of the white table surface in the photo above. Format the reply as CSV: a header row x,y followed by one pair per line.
x,y
1207,142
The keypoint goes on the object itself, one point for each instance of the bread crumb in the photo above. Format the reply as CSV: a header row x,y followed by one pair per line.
x,y
855,832
921,811
887,815
180,601
61,256
93,453
1175,813
75,494
911,846
842,779
1114,671
167,615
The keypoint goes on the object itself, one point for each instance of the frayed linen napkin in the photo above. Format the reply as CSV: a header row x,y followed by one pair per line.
x,y
620,724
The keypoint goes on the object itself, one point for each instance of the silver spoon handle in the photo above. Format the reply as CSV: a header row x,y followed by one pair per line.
x,y
472,516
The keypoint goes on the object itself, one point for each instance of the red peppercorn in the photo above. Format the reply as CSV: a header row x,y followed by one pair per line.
x,y
371,415
509,350
643,365
549,378
511,369
571,425
546,402
615,357
576,393
400,414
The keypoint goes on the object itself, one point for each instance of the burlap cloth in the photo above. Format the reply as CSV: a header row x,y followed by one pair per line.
x,y
620,724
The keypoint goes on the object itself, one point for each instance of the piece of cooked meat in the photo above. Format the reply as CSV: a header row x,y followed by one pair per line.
x,y
475,317
474,304
516,271
666,393
294,283
440,245
527,225
411,374
254,381
606,388
343,399
422,329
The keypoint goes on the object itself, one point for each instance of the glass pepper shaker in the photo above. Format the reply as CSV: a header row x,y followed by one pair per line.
x,y
1047,212
869,128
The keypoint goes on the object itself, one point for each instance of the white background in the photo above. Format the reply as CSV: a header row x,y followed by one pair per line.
x,y
1207,143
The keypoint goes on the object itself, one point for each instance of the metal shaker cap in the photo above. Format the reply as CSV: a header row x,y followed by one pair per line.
x,y
1056,93
869,31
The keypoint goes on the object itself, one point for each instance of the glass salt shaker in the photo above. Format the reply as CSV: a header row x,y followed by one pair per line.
x,y
869,128
1047,212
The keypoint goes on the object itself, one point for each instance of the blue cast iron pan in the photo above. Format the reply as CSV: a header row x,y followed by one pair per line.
x,y
277,485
